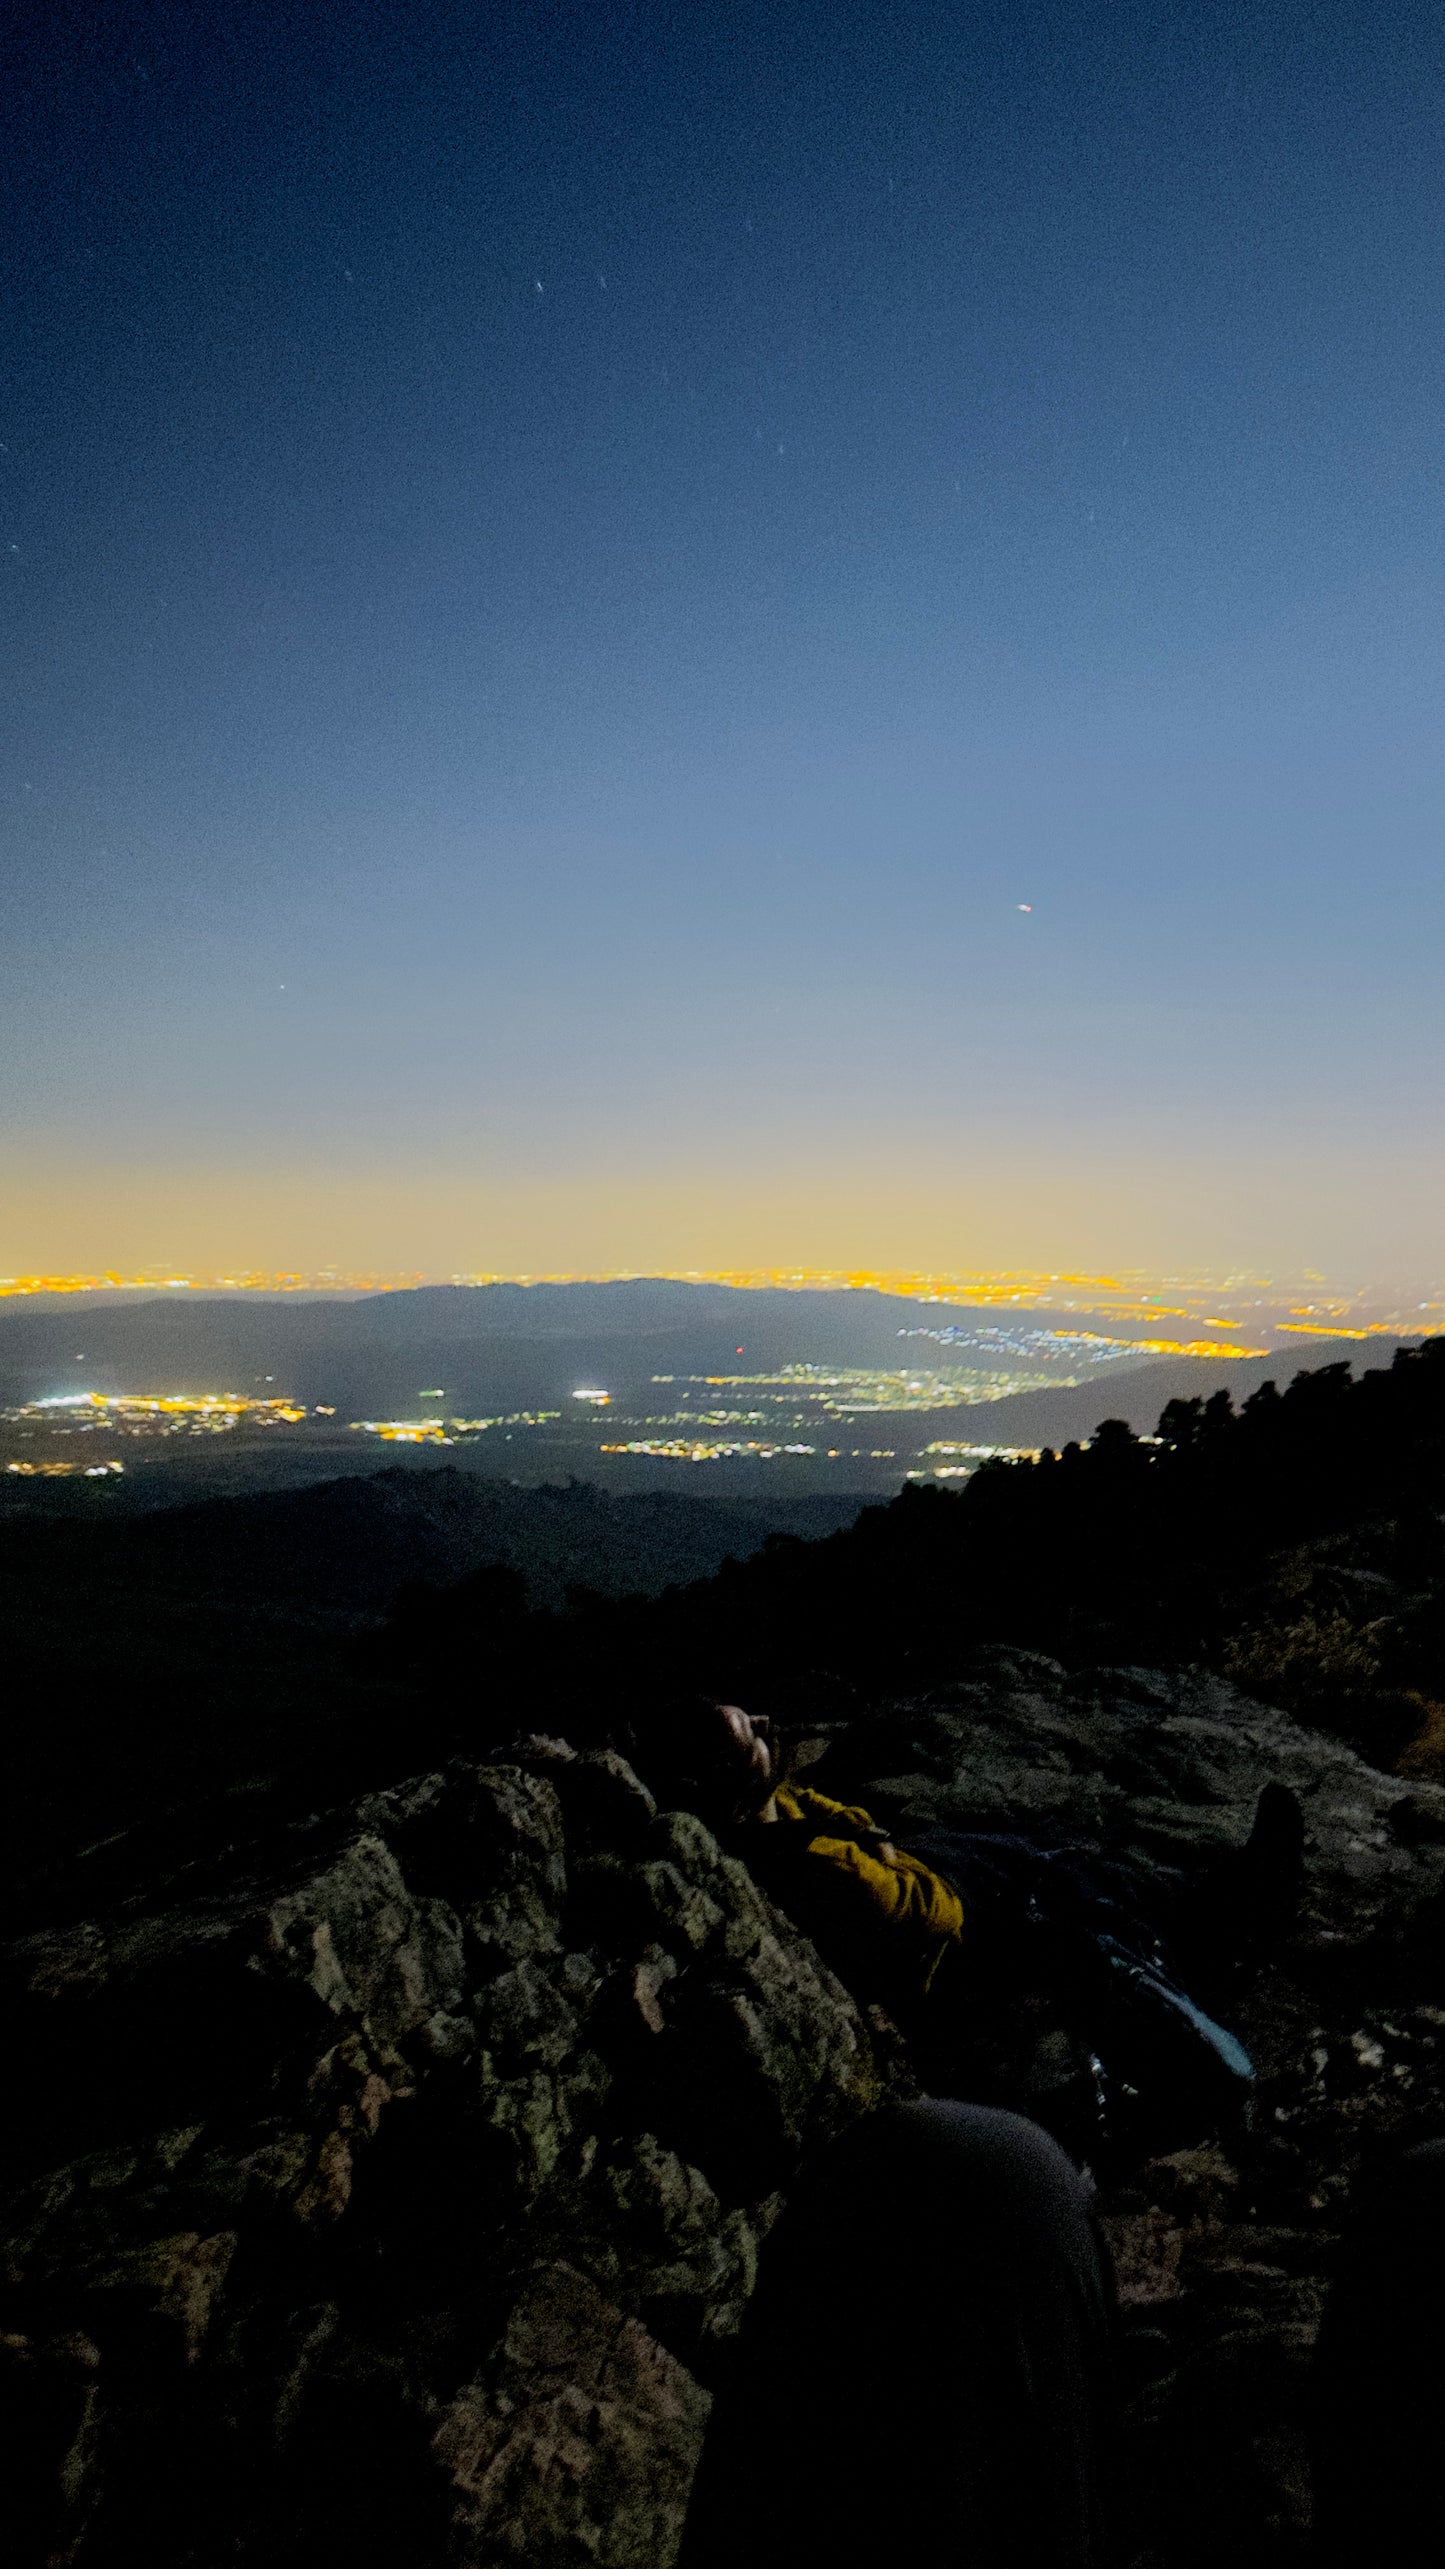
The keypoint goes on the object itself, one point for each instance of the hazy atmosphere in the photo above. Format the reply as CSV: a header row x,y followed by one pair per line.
x,y
649,638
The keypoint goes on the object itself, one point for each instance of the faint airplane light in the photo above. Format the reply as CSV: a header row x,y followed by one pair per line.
x,y
1026,905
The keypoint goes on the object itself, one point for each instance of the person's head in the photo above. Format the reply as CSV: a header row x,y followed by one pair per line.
x,y
746,1758
717,1760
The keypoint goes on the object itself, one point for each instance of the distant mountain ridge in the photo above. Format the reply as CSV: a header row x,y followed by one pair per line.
x,y
518,1334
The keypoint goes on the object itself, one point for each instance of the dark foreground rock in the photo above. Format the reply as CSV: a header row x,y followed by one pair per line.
x,y
400,2196
421,2183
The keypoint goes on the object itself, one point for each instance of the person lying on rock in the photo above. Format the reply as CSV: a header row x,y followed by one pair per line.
x,y
933,2352
882,1916
1069,1988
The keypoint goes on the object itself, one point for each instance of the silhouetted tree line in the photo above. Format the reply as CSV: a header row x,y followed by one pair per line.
x,y
1124,1549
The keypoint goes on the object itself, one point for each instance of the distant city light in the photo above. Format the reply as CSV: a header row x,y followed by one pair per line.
x,y
64,1471
846,1391
406,1431
442,1431
158,1413
682,1449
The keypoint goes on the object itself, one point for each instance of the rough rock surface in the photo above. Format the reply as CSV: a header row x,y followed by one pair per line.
x,y
1223,2249
420,2184
400,2196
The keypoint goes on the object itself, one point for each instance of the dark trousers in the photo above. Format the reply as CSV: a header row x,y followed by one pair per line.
x,y
928,2362
1379,2407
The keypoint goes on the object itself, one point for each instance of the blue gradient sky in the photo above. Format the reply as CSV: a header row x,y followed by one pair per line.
x,y
565,570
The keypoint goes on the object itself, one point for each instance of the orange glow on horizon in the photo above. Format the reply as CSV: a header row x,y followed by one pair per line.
x,y
979,1286
1123,1294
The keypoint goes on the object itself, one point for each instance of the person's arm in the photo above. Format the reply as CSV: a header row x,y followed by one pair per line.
x,y
900,1887
827,1818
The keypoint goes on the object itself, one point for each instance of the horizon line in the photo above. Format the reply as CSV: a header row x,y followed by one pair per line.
x,y
1327,1313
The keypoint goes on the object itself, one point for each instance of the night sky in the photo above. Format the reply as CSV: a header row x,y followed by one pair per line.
x,y
566,571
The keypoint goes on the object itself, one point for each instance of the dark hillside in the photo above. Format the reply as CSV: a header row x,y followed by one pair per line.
x,y
345,1546
1169,1552
161,1662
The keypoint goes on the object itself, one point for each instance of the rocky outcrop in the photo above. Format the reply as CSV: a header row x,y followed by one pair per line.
x,y
422,2182
1155,1765
400,2196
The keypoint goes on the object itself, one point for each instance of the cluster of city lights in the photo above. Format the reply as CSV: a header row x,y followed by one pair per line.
x,y
704,1449
1092,1347
434,1430
168,1413
249,1280
688,1449
1338,1329
962,1461
847,1391
64,1471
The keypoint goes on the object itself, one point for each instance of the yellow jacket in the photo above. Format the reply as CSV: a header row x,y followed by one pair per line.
x,y
874,1885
